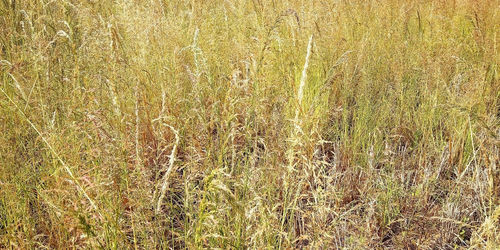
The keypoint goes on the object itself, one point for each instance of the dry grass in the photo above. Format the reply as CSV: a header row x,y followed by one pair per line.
x,y
250,124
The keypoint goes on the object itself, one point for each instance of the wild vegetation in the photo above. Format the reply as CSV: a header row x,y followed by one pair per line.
x,y
250,124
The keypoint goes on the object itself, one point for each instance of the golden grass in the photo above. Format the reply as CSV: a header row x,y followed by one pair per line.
x,y
250,124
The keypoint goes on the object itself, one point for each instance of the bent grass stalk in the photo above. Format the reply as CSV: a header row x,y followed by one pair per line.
x,y
168,169
65,166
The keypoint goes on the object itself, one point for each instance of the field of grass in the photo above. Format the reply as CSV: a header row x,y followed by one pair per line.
x,y
250,124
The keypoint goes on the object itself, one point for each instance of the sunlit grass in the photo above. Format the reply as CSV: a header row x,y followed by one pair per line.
x,y
249,124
